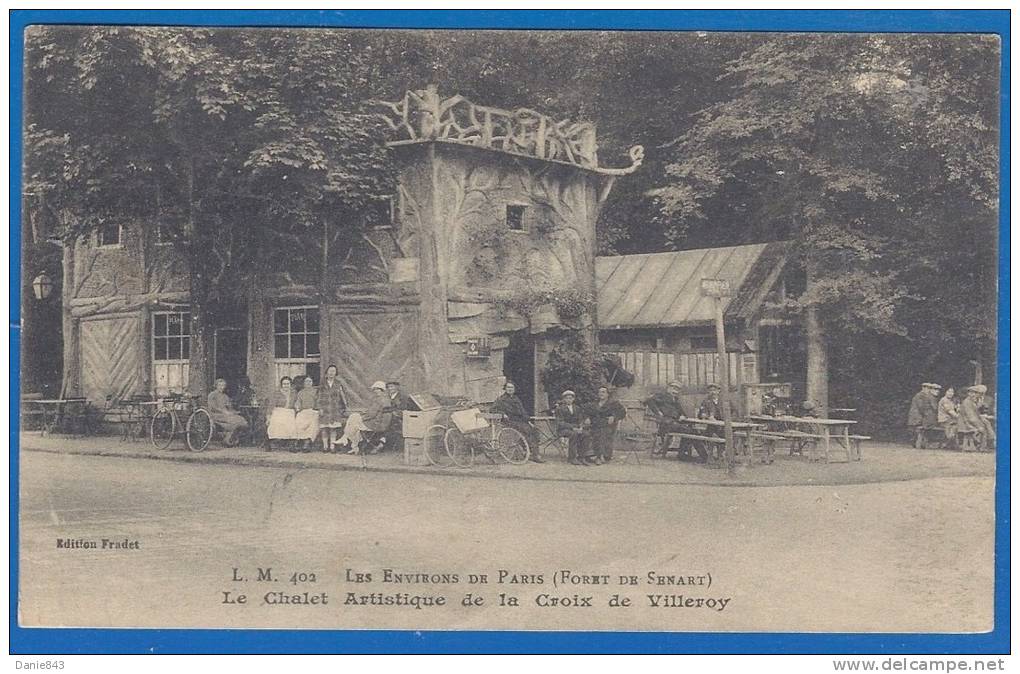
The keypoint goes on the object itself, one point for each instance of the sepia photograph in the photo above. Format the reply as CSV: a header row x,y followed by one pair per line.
x,y
672,331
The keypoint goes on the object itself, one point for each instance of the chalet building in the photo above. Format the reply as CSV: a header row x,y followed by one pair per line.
x,y
493,220
653,316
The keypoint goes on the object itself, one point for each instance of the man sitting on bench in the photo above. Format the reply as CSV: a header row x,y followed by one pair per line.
x,y
970,420
711,408
668,412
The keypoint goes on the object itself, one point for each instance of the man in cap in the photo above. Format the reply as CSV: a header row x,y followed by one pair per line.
x,y
711,408
971,419
668,411
572,423
398,403
923,414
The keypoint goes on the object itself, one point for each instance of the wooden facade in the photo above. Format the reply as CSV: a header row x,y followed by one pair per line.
x,y
475,226
653,316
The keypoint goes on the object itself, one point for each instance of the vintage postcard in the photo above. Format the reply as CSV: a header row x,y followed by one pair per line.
x,y
357,329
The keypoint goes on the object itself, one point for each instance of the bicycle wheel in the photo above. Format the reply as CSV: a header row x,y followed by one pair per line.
x,y
199,430
512,446
458,448
162,429
434,447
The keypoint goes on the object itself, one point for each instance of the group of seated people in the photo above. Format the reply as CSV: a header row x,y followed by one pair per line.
x,y
300,415
951,418
588,429
669,414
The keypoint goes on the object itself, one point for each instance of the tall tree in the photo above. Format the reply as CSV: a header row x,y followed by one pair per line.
x,y
877,156
245,138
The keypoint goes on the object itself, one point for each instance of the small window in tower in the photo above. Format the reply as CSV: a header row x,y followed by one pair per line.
x,y
109,235
515,217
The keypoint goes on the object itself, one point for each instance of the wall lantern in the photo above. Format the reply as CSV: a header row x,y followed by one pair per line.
x,y
42,286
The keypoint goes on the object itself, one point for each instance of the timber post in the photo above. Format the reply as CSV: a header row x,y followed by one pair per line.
x,y
717,289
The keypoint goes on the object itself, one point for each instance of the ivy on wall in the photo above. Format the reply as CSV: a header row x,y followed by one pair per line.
x,y
575,364
570,303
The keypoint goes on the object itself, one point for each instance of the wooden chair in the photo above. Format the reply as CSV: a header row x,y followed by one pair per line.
x,y
545,426
33,417
76,417
124,415
631,449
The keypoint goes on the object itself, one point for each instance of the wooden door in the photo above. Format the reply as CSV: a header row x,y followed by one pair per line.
x,y
109,357
372,347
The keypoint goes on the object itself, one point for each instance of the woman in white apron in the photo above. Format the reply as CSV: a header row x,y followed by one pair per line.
x,y
281,417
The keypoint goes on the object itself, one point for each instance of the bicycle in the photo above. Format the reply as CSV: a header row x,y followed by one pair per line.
x,y
502,442
166,423
434,445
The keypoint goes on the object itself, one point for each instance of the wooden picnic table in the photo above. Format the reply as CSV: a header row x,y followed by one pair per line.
x,y
816,430
741,436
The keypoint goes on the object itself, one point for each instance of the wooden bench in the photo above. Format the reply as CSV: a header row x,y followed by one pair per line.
x,y
673,442
691,436
855,445
799,439
967,441
929,434
764,439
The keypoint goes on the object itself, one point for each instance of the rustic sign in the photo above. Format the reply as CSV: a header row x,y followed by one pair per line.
x,y
478,347
715,287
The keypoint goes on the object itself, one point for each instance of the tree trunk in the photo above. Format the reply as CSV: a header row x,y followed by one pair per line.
x,y
202,331
817,355
433,328
202,327
69,385
260,336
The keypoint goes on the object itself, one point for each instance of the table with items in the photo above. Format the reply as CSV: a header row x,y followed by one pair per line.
x,y
60,414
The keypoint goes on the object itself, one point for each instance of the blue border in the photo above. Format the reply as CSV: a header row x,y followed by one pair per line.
x,y
71,641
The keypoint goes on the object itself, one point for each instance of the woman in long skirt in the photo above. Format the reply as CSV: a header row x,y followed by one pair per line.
x,y
306,422
332,406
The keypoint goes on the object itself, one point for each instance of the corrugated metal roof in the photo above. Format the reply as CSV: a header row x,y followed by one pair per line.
x,y
664,289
